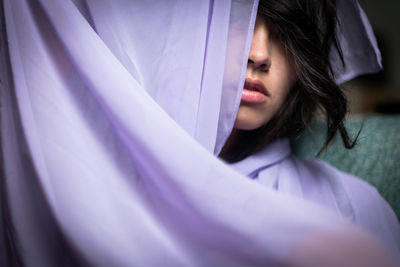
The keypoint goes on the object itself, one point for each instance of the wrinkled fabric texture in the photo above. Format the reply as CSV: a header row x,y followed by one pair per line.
x,y
277,168
110,114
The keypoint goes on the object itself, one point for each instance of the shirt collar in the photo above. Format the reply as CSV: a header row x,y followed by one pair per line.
x,y
271,154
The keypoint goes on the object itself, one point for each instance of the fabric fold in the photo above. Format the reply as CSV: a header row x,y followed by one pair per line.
x,y
99,118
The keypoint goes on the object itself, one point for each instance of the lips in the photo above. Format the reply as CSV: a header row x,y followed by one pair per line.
x,y
254,92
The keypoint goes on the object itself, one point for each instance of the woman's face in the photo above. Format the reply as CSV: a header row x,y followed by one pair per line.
x,y
269,77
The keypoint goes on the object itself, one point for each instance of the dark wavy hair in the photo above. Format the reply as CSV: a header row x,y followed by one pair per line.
x,y
307,30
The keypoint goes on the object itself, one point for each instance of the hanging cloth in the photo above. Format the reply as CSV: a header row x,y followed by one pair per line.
x,y
357,41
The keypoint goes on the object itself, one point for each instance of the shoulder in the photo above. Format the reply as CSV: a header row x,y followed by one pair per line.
x,y
320,168
361,193
358,198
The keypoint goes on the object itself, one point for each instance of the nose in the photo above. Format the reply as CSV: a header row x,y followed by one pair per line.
x,y
259,56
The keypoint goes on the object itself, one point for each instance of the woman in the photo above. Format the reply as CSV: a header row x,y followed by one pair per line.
x,y
102,116
289,77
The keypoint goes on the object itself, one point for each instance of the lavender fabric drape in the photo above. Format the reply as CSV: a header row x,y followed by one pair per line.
x,y
357,41
110,112
277,168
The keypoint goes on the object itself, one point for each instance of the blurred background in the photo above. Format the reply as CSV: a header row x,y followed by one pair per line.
x,y
379,93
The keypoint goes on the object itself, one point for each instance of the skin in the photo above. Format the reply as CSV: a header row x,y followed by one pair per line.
x,y
270,65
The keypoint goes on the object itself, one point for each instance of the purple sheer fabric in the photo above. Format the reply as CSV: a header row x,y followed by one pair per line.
x,y
357,41
110,112
277,168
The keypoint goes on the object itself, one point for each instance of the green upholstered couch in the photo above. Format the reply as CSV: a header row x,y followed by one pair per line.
x,y
376,157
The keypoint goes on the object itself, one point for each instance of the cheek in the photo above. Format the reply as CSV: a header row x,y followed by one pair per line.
x,y
279,92
284,92
284,73
285,79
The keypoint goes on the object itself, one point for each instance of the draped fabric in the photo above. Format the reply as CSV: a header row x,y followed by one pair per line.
x,y
357,41
277,168
110,114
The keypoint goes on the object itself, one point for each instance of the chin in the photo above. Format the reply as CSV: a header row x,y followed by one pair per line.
x,y
247,124
249,119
